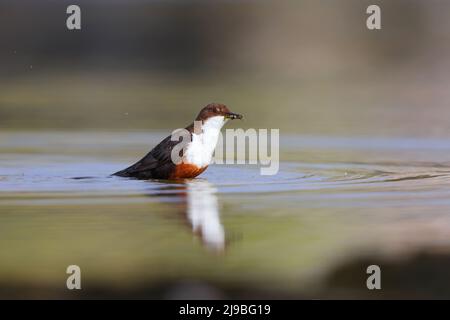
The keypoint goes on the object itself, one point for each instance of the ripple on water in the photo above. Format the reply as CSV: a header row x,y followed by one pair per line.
x,y
78,179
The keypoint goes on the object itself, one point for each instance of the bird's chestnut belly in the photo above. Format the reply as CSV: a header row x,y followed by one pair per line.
x,y
186,171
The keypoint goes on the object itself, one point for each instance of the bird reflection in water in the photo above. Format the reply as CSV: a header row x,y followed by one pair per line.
x,y
203,214
201,210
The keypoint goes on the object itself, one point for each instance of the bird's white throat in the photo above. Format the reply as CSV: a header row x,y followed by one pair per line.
x,y
200,150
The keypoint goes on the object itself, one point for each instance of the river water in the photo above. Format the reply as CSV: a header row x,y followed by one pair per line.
x,y
336,206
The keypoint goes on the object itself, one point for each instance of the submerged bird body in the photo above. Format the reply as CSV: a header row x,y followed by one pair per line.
x,y
195,157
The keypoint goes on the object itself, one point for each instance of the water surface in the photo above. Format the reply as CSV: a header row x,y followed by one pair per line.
x,y
337,205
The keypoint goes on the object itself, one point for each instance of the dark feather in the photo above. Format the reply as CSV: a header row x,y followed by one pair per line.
x,y
157,164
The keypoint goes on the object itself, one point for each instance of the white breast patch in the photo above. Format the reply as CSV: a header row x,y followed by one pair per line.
x,y
200,150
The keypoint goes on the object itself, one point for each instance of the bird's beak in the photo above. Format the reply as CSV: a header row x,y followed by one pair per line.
x,y
232,116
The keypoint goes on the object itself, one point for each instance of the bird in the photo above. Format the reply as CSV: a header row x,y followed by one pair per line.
x,y
196,155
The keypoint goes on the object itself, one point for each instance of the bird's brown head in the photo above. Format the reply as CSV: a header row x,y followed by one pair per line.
x,y
217,109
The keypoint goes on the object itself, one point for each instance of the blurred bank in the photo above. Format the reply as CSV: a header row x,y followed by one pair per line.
x,y
309,67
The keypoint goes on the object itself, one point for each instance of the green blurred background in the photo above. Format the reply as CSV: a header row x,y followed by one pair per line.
x,y
302,66
364,154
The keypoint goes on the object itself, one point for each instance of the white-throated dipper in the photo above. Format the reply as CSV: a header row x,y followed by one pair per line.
x,y
195,156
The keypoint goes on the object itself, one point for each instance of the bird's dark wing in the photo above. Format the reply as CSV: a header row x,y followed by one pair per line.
x,y
155,164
